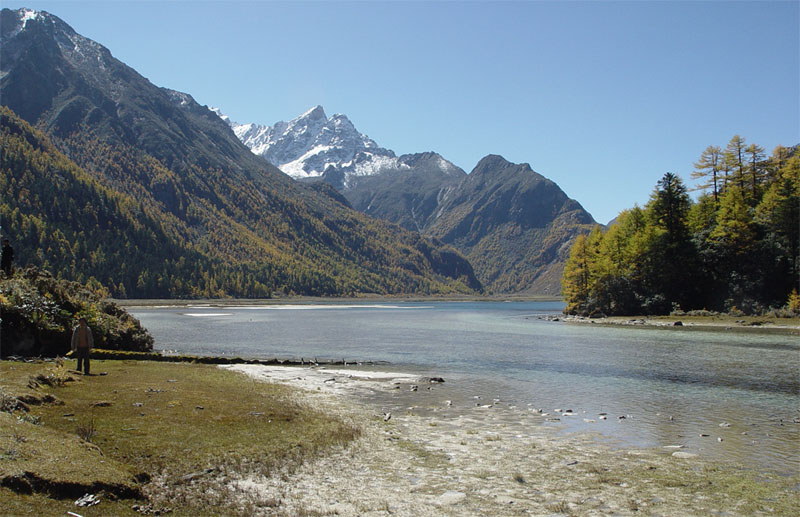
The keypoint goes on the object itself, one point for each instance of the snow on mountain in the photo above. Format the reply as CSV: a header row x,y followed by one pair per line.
x,y
312,143
25,15
79,50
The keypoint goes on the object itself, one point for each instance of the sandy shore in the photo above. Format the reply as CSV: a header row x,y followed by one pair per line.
x,y
422,454
787,326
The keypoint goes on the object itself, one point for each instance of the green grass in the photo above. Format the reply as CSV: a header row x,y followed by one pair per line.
x,y
166,432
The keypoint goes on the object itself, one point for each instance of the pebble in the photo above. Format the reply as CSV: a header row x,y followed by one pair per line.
x,y
451,497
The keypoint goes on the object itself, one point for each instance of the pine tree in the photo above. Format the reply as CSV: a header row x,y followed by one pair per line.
x,y
575,283
757,168
708,168
735,159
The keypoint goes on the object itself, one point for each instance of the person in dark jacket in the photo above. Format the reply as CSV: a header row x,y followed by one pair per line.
x,y
7,258
82,343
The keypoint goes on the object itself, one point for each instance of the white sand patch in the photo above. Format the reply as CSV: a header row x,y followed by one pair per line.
x,y
320,378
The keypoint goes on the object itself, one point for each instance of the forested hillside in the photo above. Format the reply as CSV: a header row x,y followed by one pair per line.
x,y
165,201
63,219
512,223
734,249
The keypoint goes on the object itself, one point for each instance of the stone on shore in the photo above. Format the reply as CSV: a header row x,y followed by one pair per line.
x,y
451,497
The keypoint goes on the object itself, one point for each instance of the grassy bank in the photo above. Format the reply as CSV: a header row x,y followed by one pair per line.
x,y
155,436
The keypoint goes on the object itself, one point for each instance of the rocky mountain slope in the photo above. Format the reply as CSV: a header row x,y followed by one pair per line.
x,y
514,225
314,146
252,229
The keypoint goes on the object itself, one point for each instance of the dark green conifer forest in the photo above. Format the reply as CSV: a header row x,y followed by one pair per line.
x,y
734,249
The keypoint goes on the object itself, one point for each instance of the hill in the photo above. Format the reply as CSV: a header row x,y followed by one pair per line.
x,y
513,224
212,218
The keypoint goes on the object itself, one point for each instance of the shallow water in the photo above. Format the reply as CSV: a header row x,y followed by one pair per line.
x,y
672,386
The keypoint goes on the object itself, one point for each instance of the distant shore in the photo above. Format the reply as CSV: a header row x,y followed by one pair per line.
x,y
307,300
716,322
755,324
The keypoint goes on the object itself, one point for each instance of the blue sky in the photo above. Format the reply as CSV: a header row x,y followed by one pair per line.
x,y
601,97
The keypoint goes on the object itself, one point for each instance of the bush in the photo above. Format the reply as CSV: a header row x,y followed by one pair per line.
x,y
40,311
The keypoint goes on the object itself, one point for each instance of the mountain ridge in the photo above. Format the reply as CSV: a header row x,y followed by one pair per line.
x,y
474,212
254,229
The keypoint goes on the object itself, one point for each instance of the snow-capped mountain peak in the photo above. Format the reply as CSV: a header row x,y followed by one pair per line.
x,y
80,51
307,146
27,14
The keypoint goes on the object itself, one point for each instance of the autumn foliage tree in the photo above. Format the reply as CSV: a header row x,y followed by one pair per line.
x,y
735,249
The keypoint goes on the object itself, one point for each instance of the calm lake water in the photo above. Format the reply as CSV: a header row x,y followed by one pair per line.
x,y
743,388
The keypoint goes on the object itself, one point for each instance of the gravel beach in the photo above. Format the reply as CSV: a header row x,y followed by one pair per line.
x,y
423,454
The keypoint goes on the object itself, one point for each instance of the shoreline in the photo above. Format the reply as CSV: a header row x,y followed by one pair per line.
x,y
716,322
421,455
750,324
311,300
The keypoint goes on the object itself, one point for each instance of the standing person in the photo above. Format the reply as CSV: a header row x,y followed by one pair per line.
x,y
82,342
7,258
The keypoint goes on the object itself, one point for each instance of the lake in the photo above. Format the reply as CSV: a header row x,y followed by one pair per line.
x,y
725,395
